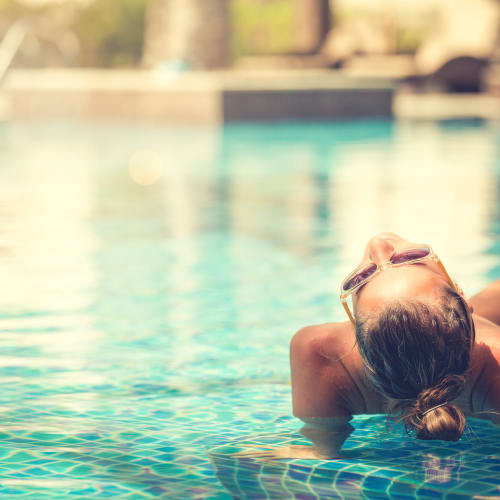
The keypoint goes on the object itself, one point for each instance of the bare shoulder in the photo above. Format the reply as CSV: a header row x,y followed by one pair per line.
x,y
488,342
321,382
486,302
488,333
326,340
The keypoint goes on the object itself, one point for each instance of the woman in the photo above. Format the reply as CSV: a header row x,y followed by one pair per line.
x,y
422,351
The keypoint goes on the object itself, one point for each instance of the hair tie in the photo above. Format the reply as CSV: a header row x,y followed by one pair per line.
x,y
434,408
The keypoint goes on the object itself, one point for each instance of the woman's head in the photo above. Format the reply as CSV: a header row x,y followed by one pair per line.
x,y
417,280
415,334
417,354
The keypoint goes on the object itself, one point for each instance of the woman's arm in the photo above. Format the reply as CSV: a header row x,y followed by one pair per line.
x,y
327,434
486,303
318,395
319,387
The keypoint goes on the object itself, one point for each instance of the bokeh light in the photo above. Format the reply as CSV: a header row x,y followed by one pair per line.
x,y
145,167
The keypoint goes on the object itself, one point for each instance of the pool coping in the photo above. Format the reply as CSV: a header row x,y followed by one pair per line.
x,y
227,96
219,96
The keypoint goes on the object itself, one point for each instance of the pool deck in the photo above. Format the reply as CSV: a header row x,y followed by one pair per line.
x,y
226,96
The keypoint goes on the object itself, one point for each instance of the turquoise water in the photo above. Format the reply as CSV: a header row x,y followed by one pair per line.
x,y
154,275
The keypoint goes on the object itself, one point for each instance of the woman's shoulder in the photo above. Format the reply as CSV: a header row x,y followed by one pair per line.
x,y
487,366
327,372
488,334
326,340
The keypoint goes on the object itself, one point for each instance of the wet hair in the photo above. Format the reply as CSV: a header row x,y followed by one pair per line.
x,y
417,354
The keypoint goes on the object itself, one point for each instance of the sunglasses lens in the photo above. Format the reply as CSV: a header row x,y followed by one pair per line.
x,y
409,255
359,277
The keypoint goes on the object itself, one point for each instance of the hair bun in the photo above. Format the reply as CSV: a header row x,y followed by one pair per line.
x,y
444,421
433,416
447,390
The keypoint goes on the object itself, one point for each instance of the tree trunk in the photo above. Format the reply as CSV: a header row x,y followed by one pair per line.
x,y
313,22
192,32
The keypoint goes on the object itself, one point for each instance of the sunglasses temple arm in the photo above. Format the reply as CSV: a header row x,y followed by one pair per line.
x,y
347,310
441,266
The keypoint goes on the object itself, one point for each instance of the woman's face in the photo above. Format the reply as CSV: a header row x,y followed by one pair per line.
x,y
422,280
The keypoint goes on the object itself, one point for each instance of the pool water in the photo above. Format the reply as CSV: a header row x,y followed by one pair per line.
x,y
153,276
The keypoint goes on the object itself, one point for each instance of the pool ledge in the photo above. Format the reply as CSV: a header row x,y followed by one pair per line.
x,y
439,106
223,96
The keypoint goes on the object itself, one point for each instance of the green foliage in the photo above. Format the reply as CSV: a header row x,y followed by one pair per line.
x,y
12,10
408,40
111,32
261,27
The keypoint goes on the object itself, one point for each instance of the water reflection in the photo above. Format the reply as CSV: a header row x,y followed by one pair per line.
x,y
441,469
392,466
47,271
424,185
140,230
148,269
46,197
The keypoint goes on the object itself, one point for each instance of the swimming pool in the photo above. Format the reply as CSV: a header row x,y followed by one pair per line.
x,y
152,279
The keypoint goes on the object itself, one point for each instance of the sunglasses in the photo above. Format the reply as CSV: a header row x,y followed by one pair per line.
x,y
404,257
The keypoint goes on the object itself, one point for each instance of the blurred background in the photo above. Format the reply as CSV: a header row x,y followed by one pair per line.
x,y
421,46
134,33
